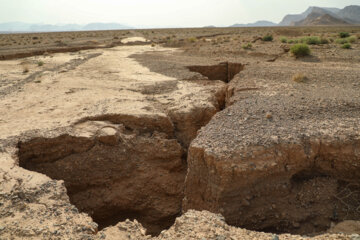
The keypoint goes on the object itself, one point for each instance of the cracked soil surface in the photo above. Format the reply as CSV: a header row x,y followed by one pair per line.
x,y
143,141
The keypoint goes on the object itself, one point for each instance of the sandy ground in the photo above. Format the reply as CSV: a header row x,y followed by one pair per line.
x,y
61,97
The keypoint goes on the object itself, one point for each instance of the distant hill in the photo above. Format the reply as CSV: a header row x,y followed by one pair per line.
x,y
256,24
351,14
324,16
104,26
291,19
317,19
26,27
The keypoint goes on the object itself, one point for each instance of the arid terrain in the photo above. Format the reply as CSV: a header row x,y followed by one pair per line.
x,y
213,133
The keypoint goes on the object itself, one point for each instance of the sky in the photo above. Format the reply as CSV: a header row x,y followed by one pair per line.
x,y
157,13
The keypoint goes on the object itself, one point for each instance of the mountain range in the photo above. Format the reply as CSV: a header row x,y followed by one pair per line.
x,y
324,16
26,27
312,16
315,16
256,24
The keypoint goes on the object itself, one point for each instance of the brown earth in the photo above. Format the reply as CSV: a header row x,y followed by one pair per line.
x,y
115,131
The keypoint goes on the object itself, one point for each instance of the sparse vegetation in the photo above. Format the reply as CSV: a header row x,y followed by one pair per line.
x,y
40,63
268,38
311,40
344,34
351,39
283,40
247,46
269,115
192,39
341,41
300,50
324,40
346,46
346,40
25,69
299,78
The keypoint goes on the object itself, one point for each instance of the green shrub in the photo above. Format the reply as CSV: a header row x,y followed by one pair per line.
x,y
283,40
247,46
341,41
324,41
291,41
192,39
346,46
344,34
311,40
351,39
40,63
268,38
300,50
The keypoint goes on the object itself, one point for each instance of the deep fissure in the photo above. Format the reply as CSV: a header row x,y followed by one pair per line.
x,y
119,172
135,169
225,71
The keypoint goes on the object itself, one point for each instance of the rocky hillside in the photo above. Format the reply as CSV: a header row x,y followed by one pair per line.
x,y
315,19
351,14
324,16
314,16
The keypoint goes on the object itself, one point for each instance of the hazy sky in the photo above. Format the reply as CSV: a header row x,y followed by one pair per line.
x,y
157,13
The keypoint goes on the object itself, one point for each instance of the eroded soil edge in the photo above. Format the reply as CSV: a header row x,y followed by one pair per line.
x,y
118,167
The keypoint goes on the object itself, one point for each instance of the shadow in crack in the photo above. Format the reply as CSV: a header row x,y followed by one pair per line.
x,y
224,71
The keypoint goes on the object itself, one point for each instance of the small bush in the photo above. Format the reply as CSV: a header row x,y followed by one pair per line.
x,y
247,46
291,41
26,69
324,41
40,63
344,34
269,116
346,46
192,39
299,78
283,40
300,50
268,38
311,40
351,39
341,41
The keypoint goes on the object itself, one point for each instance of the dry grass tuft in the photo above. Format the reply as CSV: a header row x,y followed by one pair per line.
x,y
25,69
269,116
299,78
